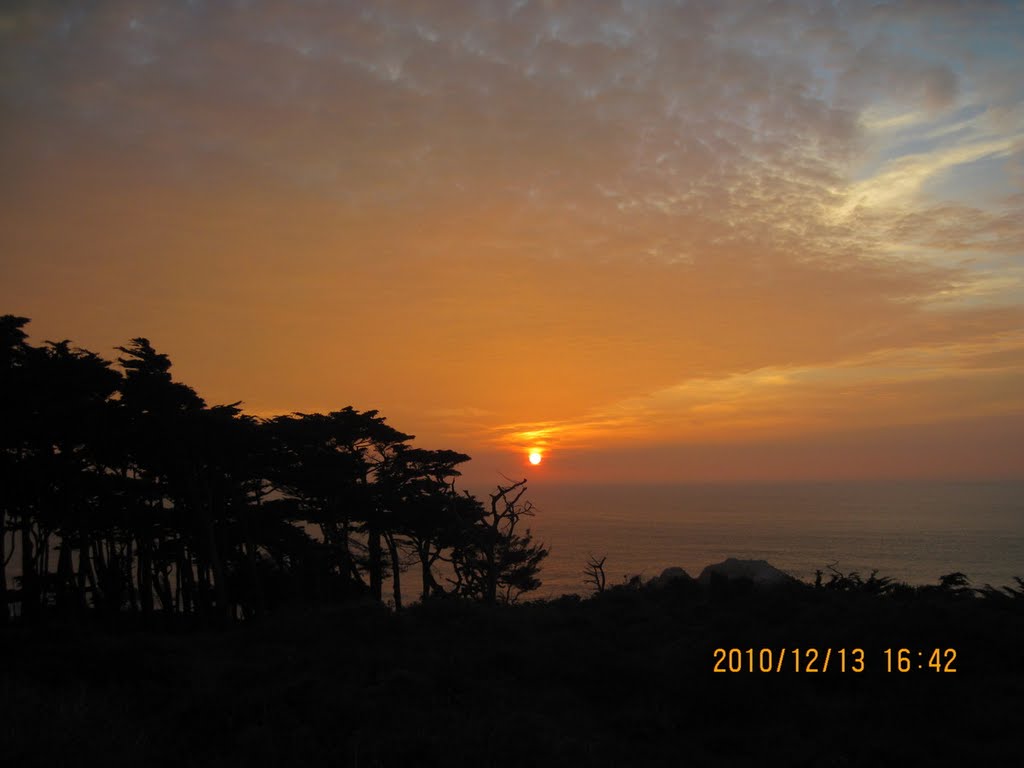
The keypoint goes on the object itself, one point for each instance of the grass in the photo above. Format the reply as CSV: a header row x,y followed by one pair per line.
x,y
623,678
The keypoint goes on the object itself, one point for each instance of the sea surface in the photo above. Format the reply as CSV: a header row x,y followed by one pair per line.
x,y
913,532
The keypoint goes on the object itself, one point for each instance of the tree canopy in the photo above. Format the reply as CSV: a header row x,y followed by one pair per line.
x,y
121,490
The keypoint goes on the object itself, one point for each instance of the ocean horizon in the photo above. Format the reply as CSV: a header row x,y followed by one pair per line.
x,y
910,530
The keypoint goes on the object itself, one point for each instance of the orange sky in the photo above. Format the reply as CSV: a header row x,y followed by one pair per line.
x,y
710,242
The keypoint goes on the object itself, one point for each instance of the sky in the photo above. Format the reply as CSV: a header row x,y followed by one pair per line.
x,y
654,241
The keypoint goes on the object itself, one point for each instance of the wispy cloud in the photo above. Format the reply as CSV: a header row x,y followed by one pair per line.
x,y
898,387
568,222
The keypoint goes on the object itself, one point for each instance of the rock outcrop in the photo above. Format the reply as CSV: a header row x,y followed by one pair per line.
x,y
761,572
669,575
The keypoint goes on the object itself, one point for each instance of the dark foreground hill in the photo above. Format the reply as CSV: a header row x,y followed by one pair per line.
x,y
623,679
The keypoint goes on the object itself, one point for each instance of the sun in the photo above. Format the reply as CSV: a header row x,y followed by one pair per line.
x,y
536,458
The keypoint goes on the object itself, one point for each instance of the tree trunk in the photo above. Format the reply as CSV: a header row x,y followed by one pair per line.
x,y
82,544
43,568
101,583
490,557
376,561
428,577
180,585
202,583
86,575
396,573
65,576
145,570
5,615
348,564
129,561
220,591
254,602
162,588
190,600
29,590
203,501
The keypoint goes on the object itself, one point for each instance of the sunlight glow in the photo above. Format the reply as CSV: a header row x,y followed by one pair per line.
x,y
535,458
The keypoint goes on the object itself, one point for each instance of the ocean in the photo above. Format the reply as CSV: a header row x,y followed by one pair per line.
x,y
913,532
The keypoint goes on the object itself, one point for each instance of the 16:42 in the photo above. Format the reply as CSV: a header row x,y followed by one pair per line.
x,y
904,660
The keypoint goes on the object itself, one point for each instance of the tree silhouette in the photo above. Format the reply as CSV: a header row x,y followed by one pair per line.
x,y
14,393
178,445
323,465
594,573
154,502
492,560
417,488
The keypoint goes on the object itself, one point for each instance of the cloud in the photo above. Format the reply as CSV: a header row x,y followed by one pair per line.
x,y
541,209
975,380
898,183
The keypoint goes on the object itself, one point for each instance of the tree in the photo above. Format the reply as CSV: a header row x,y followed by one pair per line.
x,y
13,395
382,443
492,560
152,500
333,465
55,402
74,388
417,488
188,455
594,573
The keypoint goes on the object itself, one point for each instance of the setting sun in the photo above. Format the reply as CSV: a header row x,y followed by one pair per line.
x,y
535,458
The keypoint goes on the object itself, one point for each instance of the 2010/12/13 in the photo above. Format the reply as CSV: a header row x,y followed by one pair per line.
x,y
809,660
